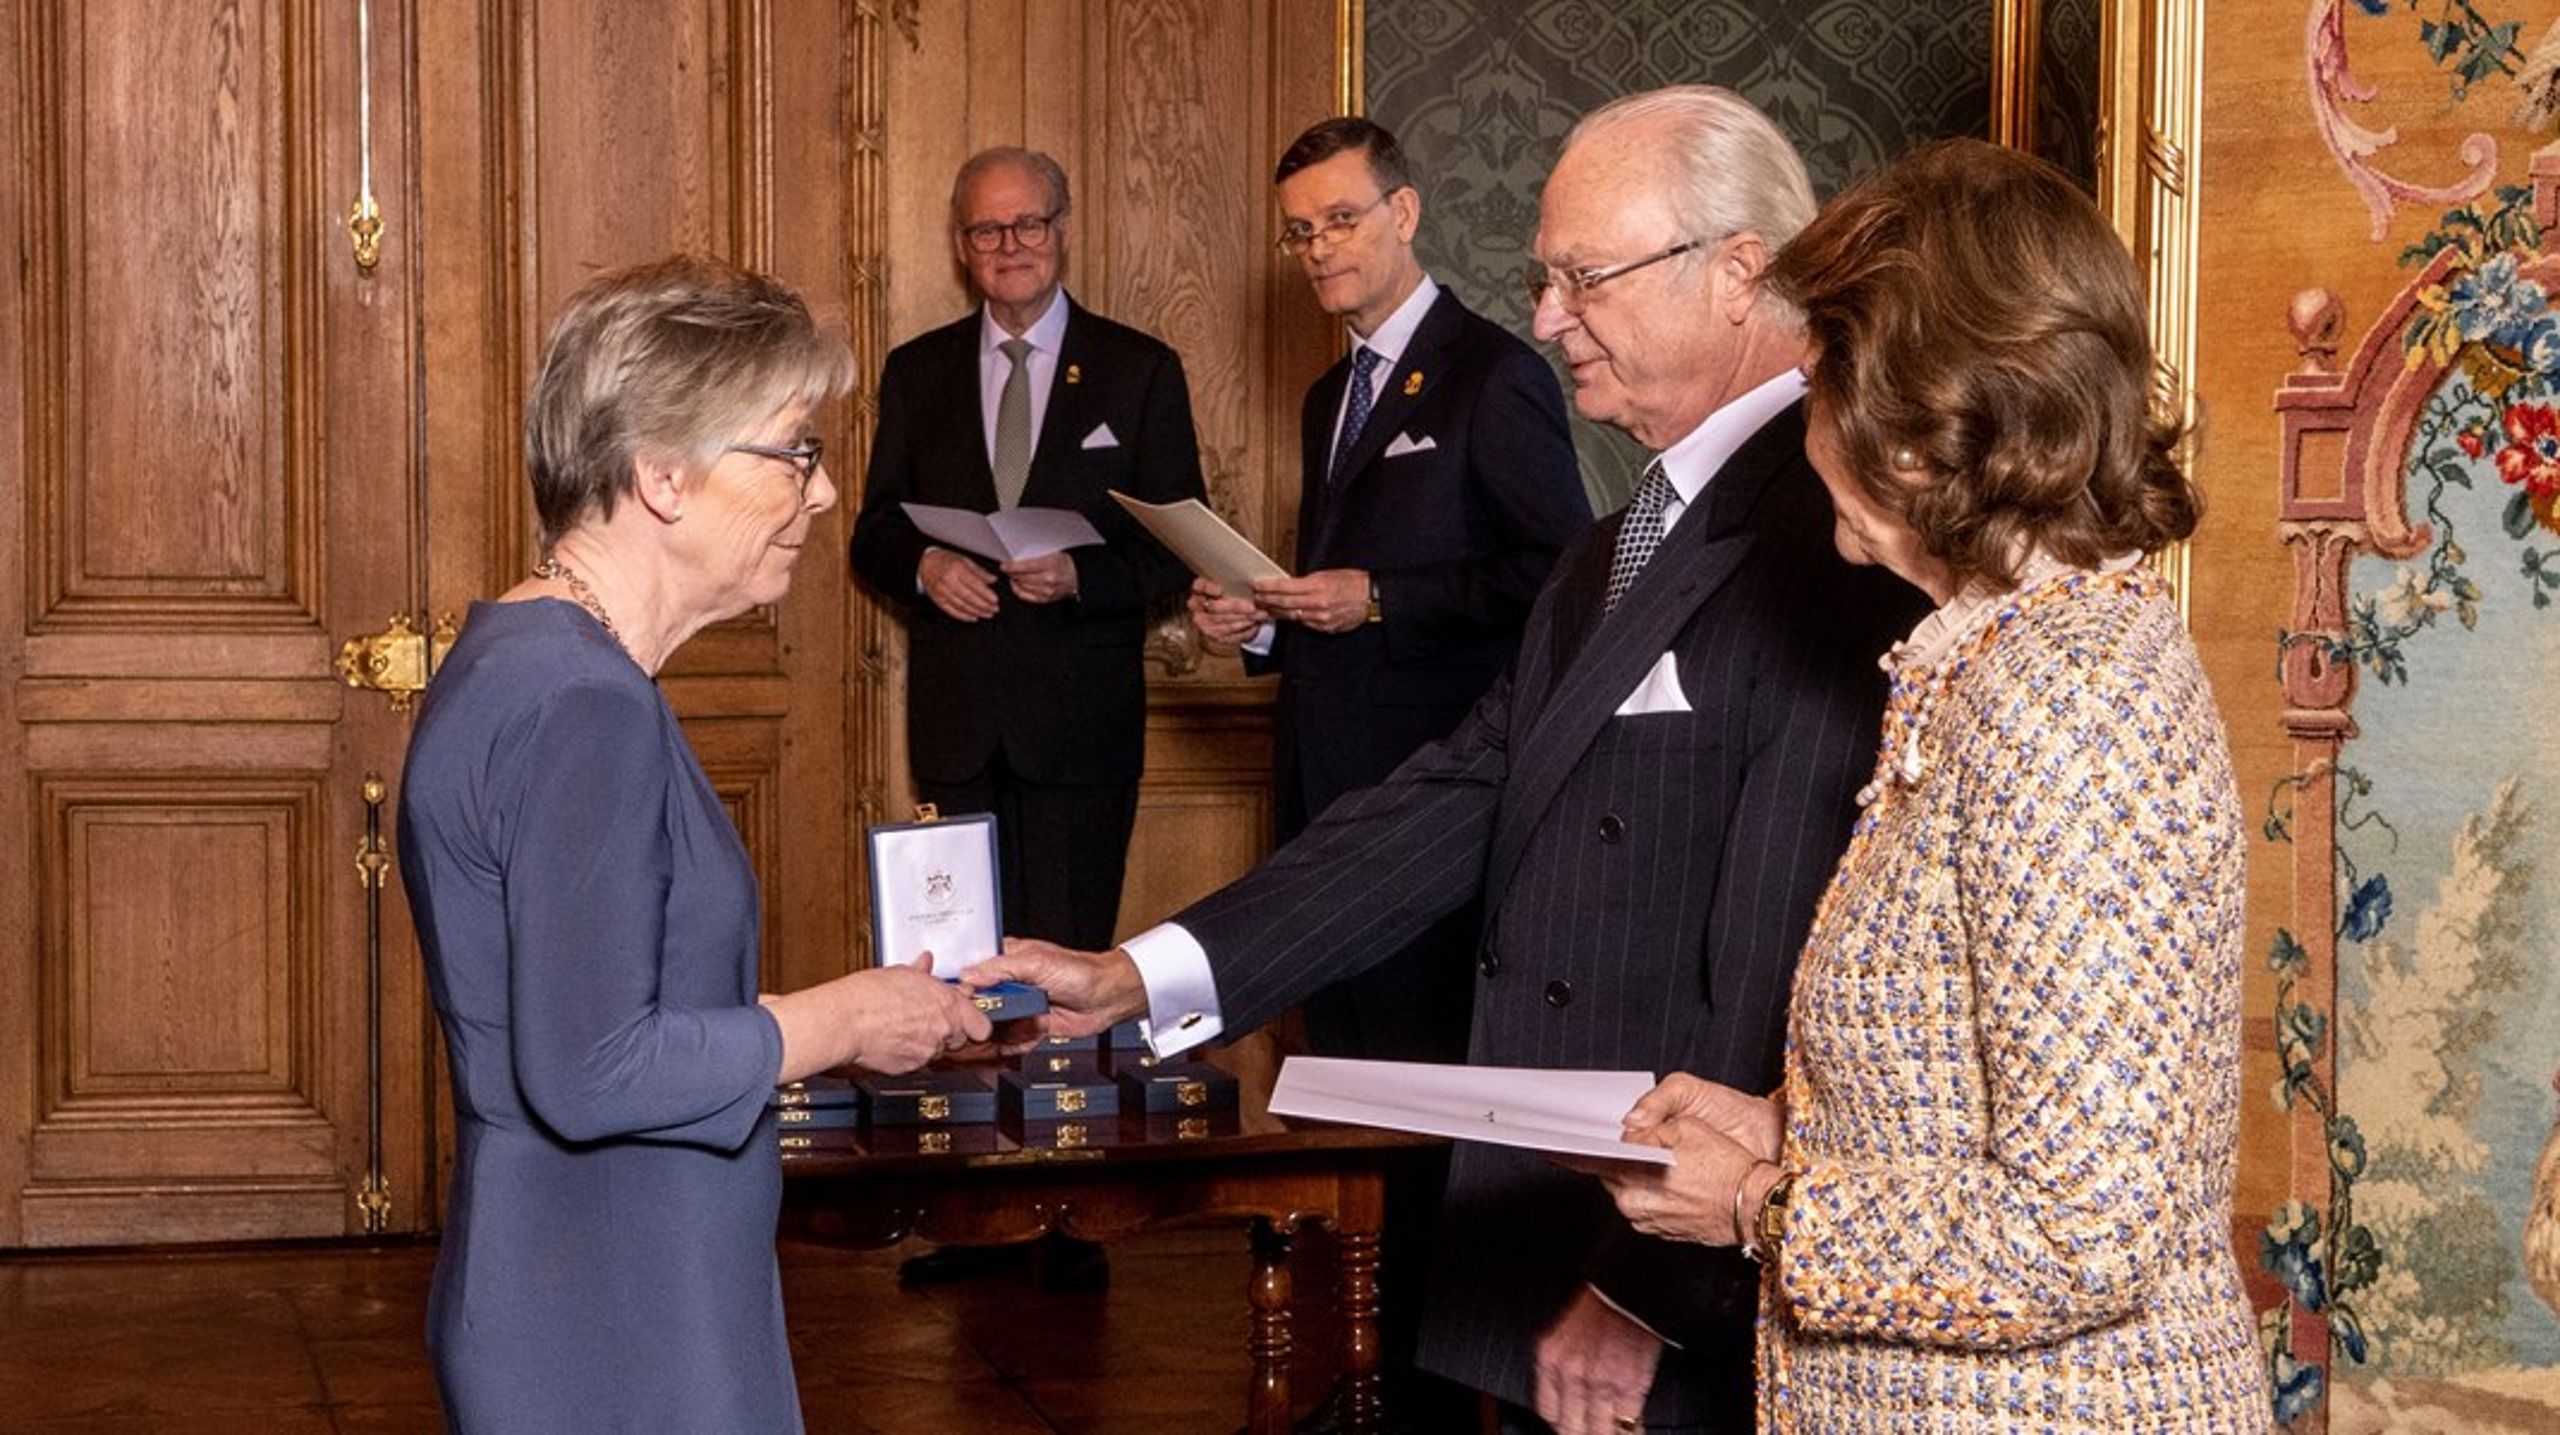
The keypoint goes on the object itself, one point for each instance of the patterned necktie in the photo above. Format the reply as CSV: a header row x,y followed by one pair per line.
x,y
1364,367
1013,426
1640,533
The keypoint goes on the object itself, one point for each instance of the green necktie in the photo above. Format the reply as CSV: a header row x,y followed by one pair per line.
x,y
1013,426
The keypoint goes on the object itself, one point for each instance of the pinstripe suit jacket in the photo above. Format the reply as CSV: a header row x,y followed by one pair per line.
x,y
1648,881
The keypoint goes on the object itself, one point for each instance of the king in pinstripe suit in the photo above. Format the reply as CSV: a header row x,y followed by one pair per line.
x,y
1648,802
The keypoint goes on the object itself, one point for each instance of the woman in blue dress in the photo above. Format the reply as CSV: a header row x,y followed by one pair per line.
x,y
587,912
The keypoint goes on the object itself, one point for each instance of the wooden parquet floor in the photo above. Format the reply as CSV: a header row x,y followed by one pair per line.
x,y
329,1339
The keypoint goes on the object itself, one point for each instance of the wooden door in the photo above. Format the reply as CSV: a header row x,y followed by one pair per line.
x,y
212,477
230,449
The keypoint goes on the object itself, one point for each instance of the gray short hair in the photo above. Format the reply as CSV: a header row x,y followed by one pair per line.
x,y
670,360
1052,177
1727,168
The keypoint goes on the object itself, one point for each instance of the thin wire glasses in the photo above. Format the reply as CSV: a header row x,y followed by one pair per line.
x,y
1031,231
1573,286
804,460
1297,239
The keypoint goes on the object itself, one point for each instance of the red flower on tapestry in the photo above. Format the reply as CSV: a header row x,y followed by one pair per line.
x,y
2532,454
2472,443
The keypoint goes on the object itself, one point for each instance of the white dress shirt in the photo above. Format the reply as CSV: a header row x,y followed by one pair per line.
x,y
1182,996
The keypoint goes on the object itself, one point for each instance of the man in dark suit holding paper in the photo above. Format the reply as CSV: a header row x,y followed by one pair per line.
x,y
1648,803
1438,486
1025,694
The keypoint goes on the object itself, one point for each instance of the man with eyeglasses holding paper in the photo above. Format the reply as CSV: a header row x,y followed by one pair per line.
x,y
1025,692
1438,485
1647,804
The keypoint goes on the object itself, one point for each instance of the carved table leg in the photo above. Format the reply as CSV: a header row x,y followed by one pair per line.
x,y
1267,1409
1358,1298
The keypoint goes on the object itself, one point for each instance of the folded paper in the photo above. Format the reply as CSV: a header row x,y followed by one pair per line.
x,y
1203,541
1007,534
1571,1112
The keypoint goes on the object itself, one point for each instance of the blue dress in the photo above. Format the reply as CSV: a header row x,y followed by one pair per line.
x,y
590,927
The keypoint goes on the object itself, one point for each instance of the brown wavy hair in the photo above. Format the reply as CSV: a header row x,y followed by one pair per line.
x,y
1973,317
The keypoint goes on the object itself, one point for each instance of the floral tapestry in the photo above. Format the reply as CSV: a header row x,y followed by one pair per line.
x,y
2415,1270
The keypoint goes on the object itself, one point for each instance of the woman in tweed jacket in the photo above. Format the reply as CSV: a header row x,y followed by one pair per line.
x,y
1994,1192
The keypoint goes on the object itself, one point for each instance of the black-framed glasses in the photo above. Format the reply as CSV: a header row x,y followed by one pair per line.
x,y
1031,231
1573,286
1297,239
804,459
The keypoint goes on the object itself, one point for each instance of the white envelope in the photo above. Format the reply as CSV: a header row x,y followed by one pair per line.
x,y
1659,692
1102,437
1539,1110
1405,443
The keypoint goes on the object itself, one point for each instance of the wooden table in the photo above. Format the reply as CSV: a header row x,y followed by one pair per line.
x,y
1118,1175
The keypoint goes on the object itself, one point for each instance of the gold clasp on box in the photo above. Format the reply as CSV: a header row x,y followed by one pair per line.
x,y
797,1115
1191,1128
934,1108
1071,1100
986,1003
1191,1093
797,1143
934,1141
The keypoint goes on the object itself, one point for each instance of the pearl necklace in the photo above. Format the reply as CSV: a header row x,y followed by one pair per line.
x,y
552,567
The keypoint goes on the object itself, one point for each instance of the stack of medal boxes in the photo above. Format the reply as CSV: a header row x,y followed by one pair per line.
x,y
1067,1093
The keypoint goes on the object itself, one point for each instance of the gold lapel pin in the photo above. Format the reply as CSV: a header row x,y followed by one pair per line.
x,y
1413,383
1075,375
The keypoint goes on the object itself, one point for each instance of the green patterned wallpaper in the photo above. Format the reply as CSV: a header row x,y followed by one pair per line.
x,y
1482,91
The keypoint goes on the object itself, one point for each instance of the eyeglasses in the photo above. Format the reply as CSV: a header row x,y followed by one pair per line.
x,y
804,460
1031,231
1573,286
1297,239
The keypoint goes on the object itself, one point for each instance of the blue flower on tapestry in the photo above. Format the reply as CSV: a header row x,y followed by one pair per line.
x,y
2286,1248
2298,1387
2346,1147
2367,909
2495,304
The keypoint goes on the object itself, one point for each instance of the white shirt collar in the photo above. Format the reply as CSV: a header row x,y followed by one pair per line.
x,y
1397,332
1046,332
1698,456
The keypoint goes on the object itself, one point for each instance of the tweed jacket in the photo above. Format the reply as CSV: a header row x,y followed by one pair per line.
x,y
2013,1072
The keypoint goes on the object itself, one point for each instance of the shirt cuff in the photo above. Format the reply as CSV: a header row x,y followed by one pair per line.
x,y
1182,994
1260,643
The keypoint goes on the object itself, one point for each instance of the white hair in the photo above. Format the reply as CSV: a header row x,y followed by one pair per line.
x,y
1726,167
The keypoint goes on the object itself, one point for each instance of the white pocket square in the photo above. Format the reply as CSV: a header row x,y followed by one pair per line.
x,y
1102,437
1405,443
1658,693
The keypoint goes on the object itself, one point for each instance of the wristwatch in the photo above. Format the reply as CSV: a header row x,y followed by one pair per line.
x,y
1376,613
1769,1228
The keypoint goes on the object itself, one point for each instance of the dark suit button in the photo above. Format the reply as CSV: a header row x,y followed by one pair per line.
x,y
1559,992
1488,964
1612,828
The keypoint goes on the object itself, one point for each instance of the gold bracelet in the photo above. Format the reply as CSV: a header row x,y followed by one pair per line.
x,y
1741,1232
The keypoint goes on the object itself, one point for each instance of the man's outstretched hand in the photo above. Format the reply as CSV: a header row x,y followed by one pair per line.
x,y
1088,992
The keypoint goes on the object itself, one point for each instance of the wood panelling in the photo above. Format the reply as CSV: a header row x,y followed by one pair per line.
x,y
178,972
211,424
174,475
